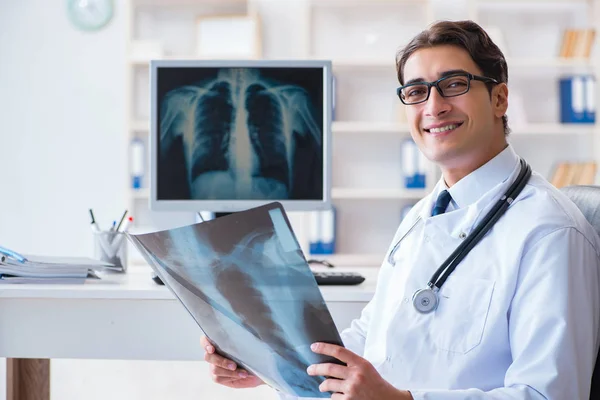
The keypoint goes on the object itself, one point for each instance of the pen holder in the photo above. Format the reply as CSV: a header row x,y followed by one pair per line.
x,y
111,247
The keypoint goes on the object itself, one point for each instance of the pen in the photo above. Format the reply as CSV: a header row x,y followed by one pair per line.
x,y
112,228
95,227
12,254
121,221
127,223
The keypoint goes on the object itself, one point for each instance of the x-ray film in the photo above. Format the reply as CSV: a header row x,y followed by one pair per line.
x,y
245,281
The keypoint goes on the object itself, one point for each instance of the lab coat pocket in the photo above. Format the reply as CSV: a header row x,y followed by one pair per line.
x,y
459,321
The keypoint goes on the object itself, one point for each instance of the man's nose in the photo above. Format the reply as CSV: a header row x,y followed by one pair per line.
x,y
436,104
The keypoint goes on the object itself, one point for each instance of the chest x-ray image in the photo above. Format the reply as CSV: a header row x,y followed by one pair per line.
x,y
244,280
240,133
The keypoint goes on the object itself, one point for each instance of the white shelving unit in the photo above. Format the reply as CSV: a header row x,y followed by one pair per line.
x,y
361,38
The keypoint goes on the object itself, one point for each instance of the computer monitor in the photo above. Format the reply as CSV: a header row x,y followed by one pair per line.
x,y
235,134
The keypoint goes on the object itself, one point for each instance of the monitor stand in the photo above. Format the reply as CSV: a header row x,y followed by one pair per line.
x,y
217,215
222,214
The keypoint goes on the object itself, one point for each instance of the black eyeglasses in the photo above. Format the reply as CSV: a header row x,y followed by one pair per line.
x,y
448,86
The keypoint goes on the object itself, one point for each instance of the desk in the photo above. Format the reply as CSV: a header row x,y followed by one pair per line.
x,y
122,316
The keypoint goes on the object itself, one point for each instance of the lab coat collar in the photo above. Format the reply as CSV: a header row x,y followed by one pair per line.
x,y
472,187
474,194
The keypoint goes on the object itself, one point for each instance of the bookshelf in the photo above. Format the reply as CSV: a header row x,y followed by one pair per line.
x,y
368,128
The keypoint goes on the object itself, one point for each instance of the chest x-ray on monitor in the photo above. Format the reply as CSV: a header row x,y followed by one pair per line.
x,y
231,135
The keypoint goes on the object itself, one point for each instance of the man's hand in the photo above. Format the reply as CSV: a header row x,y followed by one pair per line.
x,y
225,371
357,381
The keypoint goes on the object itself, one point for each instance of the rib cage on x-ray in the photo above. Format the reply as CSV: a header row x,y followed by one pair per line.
x,y
238,134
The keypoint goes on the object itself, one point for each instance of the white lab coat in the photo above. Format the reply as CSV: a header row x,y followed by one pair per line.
x,y
517,319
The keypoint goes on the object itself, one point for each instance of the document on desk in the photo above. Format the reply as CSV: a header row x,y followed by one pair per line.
x,y
245,281
49,269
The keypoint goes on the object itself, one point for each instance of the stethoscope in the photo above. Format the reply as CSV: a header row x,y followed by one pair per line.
x,y
426,300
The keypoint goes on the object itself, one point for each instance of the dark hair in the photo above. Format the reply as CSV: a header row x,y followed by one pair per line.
x,y
467,35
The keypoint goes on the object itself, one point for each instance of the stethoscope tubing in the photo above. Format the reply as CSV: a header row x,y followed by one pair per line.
x,y
486,224
425,300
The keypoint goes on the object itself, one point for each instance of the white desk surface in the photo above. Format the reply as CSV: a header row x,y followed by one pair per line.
x,y
137,284
125,316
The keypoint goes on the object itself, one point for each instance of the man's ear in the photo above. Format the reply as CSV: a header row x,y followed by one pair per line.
x,y
500,99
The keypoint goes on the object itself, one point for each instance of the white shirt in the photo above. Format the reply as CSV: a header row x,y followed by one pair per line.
x,y
517,319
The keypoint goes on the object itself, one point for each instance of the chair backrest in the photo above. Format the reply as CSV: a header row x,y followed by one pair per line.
x,y
587,199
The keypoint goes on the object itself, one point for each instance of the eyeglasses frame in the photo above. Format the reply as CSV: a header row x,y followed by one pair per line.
x,y
471,77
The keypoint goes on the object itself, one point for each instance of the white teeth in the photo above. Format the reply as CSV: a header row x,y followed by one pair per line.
x,y
443,128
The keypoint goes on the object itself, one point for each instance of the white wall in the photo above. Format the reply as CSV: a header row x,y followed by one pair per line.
x,y
63,150
61,136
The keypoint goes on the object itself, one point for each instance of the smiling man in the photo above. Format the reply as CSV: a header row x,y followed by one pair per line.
x,y
511,314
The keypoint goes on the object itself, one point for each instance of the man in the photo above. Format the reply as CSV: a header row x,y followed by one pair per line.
x,y
518,318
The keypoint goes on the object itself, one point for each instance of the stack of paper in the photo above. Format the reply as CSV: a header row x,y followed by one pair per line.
x,y
17,268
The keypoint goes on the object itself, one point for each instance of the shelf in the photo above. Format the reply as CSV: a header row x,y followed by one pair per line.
x,y
347,260
339,64
341,193
388,128
362,64
389,65
140,194
552,129
536,3
557,62
365,3
179,3
139,125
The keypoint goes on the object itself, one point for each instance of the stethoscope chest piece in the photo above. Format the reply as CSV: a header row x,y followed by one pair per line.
x,y
425,300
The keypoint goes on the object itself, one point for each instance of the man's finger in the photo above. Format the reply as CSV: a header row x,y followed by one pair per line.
x,y
207,345
218,371
336,351
235,383
333,385
328,369
219,361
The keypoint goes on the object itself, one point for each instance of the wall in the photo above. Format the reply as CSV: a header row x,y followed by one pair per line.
x,y
62,151
61,136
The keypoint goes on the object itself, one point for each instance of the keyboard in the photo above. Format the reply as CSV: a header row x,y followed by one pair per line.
x,y
338,278
322,278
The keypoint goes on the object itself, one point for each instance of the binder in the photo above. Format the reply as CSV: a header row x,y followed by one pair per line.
x,y
328,231
577,99
314,234
322,232
590,100
413,165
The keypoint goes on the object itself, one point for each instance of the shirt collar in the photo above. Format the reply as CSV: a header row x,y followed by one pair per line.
x,y
472,187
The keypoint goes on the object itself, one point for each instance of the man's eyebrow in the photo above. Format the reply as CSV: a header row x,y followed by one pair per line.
x,y
442,74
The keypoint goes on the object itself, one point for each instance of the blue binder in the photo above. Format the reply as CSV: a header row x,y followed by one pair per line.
x,y
322,232
577,103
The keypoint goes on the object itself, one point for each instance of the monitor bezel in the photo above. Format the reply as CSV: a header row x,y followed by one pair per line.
x,y
222,206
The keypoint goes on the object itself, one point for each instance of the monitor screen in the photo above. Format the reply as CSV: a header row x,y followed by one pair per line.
x,y
231,135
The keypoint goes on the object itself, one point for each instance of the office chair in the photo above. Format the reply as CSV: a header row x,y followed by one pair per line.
x,y
587,199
